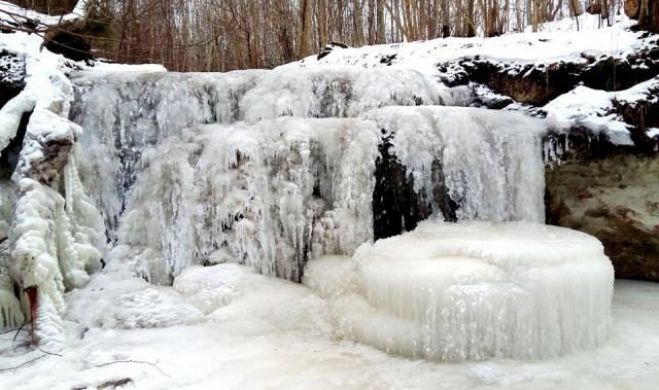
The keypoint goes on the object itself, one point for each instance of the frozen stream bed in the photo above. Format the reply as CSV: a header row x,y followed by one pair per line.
x,y
241,354
226,326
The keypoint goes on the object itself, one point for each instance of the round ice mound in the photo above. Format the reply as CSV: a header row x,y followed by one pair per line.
x,y
473,291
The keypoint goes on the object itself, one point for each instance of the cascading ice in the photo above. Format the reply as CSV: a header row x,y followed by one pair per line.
x,y
269,195
274,193
124,114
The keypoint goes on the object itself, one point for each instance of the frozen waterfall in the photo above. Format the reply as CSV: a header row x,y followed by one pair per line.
x,y
273,168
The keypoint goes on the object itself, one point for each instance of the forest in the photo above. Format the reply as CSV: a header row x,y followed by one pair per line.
x,y
223,35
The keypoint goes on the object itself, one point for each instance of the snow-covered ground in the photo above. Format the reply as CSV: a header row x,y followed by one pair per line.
x,y
557,41
267,333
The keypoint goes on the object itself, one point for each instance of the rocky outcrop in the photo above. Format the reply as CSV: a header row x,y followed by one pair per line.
x,y
538,84
12,75
611,193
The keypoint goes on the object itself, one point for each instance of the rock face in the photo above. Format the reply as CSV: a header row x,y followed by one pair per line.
x,y
538,84
12,75
612,194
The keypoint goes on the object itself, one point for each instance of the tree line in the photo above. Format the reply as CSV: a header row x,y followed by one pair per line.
x,y
222,35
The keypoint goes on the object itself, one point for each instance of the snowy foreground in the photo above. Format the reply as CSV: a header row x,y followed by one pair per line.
x,y
275,334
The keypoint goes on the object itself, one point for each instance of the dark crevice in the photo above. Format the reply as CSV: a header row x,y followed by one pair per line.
x,y
9,157
397,207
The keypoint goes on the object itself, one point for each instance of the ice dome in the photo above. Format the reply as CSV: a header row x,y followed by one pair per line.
x,y
473,291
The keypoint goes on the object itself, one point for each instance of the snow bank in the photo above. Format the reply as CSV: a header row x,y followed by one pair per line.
x,y
115,299
596,110
224,295
238,298
473,291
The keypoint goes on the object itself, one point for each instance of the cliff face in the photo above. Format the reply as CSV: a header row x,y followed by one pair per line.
x,y
611,194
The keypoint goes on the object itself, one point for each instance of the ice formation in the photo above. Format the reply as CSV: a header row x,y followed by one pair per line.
x,y
126,113
268,195
472,291
272,193
55,237
488,163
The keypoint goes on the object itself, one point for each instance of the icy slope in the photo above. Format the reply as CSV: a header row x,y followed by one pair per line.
x,y
472,291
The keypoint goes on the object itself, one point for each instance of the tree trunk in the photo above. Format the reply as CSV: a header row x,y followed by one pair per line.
x,y
446,27
358,23
304,47
379,14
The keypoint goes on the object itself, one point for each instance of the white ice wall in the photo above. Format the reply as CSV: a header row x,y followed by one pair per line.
x,y
274,193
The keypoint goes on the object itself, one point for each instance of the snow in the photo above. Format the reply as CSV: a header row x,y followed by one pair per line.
x,y
559,41
590,108
264,339
596,110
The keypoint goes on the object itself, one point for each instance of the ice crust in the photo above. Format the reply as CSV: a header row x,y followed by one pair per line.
x,y
472,291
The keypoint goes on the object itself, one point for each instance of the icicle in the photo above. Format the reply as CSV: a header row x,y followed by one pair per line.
x,y
86,221
11,312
